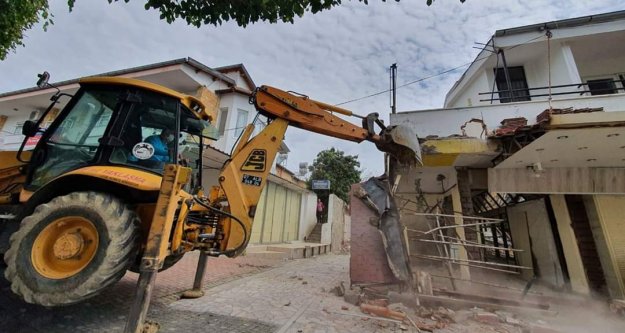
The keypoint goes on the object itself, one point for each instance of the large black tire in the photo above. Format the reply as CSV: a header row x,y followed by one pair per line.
x,y
117,233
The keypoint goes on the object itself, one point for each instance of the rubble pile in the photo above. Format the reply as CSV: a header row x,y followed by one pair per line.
x,y
373,305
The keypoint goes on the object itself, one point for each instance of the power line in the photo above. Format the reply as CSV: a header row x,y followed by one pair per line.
x,y
434,75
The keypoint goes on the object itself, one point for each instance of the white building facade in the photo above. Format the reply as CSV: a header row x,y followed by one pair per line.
x,y
534,133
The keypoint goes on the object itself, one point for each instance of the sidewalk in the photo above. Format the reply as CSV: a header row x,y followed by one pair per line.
x,y
294,297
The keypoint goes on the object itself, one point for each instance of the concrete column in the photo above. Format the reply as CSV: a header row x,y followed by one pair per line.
x,y
464,187
569,61
577,274
605,214
462,252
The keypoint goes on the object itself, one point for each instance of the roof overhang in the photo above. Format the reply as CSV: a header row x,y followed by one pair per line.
x,y
594,139
580,153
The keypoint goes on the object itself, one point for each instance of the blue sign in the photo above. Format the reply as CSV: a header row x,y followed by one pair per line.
x,y
321,184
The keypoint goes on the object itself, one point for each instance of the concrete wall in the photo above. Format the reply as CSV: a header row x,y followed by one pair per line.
x,y
531,231
368,263
278,215
445,122
336,217
574,264
332,232
482,82
308,217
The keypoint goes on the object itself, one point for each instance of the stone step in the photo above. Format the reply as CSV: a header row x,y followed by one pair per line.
x,y
265,254
301,250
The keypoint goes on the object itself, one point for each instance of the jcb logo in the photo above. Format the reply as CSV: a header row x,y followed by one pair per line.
x,y
255,161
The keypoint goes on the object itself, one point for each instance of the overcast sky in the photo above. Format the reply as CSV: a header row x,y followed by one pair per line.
x,y
333,56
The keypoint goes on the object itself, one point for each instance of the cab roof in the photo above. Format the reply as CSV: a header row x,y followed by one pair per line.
x,y
191,102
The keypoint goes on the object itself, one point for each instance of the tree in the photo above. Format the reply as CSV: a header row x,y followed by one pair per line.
x,y
17,16
340,169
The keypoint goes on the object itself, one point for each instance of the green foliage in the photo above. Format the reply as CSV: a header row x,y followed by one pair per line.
x,y
340,169
17,16
244,12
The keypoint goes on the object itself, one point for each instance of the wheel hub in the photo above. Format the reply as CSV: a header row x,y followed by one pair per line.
x,y
68,246
64,247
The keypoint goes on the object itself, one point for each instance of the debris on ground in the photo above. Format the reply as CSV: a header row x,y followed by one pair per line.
x,y
395,311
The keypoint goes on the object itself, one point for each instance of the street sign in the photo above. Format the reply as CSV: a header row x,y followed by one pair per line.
x,y
321,184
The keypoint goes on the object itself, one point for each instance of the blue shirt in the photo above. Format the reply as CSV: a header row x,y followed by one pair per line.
x,y
161,151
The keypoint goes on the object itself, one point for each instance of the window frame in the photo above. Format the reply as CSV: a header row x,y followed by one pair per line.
x,y
506,95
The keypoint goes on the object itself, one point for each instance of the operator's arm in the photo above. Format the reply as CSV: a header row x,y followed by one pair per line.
x,y
161,152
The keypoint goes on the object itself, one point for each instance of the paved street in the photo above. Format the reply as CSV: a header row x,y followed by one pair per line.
x,y
243,295
107,312
247,295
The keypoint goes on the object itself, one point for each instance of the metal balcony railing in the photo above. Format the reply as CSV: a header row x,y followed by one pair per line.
x,y
517,95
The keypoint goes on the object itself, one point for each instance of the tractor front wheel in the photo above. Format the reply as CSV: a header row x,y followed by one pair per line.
x,y
71,248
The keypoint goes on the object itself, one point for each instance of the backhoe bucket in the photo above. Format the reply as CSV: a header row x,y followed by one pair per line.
x,y
402,143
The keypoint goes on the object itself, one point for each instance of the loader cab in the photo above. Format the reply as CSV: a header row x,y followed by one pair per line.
x,y
122,123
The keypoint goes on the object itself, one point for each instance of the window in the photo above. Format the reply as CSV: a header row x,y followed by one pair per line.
x,y
241,122
149,134
104,120
74,142
18,128
601,87
223,118
517,81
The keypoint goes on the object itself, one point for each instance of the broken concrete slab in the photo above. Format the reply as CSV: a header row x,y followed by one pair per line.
x,y
487,318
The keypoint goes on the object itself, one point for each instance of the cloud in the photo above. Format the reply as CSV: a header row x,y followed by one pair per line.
x,y
333,56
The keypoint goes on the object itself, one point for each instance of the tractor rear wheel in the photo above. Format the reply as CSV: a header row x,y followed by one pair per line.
x,y
71,248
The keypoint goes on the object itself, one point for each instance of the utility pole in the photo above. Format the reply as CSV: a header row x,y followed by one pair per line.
x,y
394,88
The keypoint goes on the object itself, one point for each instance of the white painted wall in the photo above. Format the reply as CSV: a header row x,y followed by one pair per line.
x,y
445,122
308,218
333,231
576,55
468,97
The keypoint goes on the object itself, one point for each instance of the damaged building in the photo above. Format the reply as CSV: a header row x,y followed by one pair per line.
x,y
523,178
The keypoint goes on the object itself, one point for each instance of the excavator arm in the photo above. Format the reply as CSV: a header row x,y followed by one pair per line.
x,y
221,223
245,175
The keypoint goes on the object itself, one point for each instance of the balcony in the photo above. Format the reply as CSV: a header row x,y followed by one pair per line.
x,y
445,122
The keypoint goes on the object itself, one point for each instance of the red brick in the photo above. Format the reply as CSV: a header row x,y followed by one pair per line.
x,y
368,263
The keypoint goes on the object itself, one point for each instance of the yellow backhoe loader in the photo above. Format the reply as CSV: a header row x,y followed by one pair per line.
x,y
114,183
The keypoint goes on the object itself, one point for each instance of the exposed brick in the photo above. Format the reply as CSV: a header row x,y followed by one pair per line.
x,y
368,263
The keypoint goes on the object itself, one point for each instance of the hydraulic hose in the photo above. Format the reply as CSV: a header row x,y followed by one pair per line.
x,y
219,211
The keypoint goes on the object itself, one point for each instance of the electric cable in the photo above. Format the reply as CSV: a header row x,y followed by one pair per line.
x,y
434,75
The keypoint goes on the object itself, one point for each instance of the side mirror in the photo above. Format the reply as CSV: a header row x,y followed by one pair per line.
x,y
30,128
43,79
